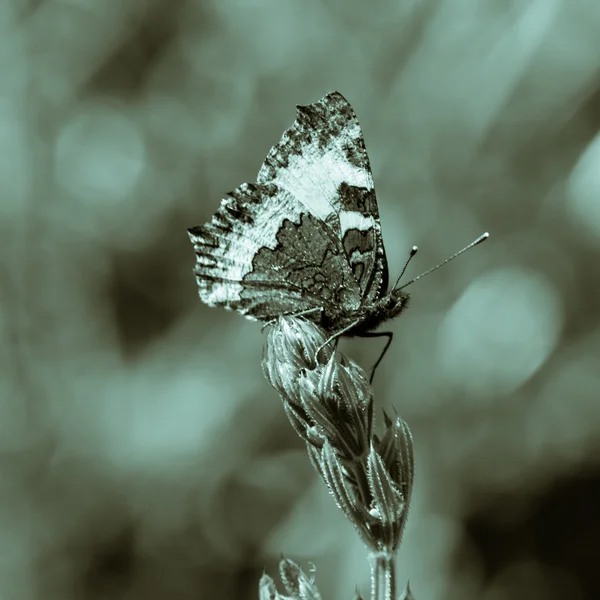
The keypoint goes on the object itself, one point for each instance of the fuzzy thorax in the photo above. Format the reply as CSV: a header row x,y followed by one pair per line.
x,y
388,307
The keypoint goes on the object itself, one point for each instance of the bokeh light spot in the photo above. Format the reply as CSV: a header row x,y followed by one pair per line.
x,y
99,155
584,190
500,331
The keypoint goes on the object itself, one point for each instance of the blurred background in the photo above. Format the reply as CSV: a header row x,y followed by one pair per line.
x,y
142,453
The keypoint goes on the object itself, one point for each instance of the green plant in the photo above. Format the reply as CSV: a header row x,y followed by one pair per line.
x,y
329,402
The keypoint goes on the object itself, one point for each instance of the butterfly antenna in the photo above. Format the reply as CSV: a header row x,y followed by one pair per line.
x,y
480,239
412,253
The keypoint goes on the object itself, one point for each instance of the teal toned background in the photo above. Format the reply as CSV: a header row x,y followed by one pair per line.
x,y
142,453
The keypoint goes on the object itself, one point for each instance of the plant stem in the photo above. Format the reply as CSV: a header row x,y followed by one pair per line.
x,y
383,576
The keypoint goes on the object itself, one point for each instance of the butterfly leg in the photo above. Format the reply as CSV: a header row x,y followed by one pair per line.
x,y
298,314
375,334
335,337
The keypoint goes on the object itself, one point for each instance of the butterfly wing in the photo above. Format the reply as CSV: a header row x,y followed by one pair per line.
x,y
322,161
264,255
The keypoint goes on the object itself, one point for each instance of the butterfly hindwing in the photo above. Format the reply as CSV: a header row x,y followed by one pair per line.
x,y
264,255
322,161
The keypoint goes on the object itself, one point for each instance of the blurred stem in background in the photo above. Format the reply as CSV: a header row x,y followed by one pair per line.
x,y
329,402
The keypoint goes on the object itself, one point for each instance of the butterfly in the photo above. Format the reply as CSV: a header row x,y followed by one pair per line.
x,y
305,238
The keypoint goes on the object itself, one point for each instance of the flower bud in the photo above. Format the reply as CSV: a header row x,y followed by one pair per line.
x,y
295,341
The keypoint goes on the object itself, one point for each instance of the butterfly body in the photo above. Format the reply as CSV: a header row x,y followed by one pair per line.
x,y
306,236
368,318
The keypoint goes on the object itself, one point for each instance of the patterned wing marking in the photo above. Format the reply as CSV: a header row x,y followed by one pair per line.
x,y
310,259
245,222
322,161
362,241
321,150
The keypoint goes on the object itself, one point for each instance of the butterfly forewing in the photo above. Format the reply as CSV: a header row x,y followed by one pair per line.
x,y
322,161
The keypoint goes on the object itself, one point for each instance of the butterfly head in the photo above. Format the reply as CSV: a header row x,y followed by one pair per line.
x,y
393,304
